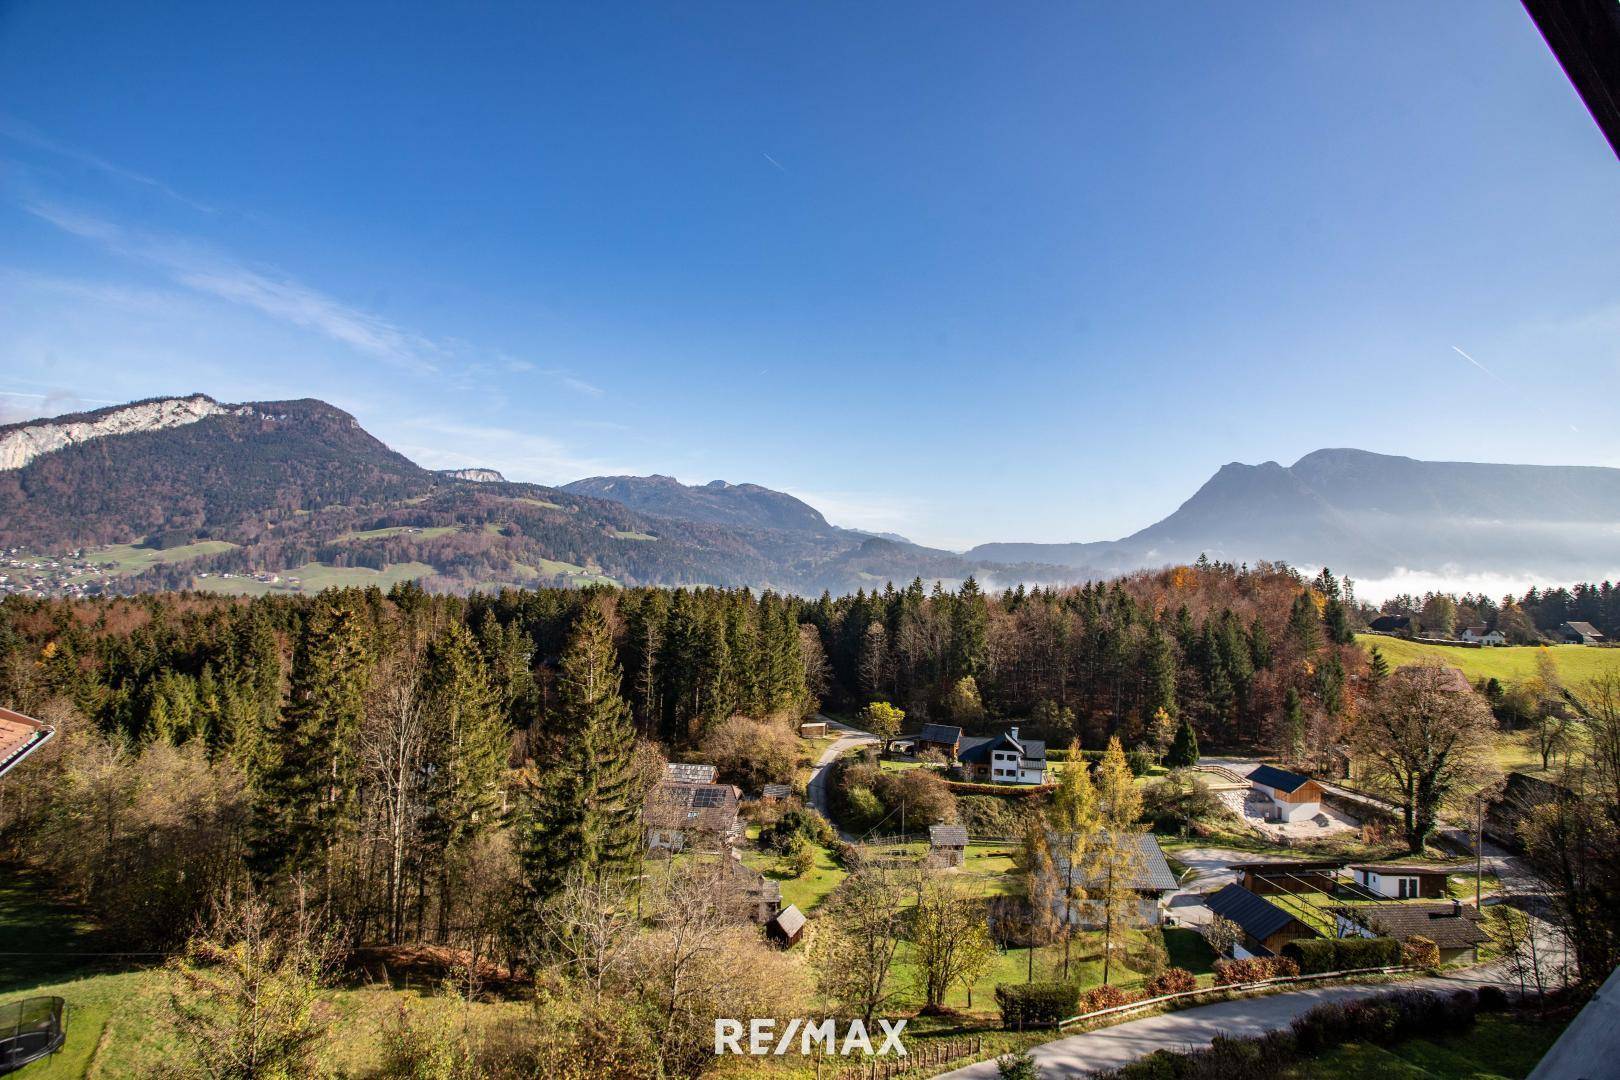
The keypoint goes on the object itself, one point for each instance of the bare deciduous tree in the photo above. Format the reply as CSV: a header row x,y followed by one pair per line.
x,y
1427,740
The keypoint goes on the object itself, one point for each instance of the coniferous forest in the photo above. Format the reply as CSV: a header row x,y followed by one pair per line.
x,y
352,778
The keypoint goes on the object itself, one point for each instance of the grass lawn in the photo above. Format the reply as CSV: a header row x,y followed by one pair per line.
x,y
622,534
129,559
313,577
425,533
1497,1048
1508,663
805,892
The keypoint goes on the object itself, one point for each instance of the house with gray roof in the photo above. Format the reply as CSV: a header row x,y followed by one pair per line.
x,y
1003,758
1266,927
1151,879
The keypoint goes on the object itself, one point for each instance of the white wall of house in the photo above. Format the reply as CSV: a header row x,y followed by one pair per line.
x,y
1343,927
1088,914
666,840
1400,886
1284,810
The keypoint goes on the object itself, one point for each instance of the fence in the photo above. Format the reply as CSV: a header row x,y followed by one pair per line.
x,y
929,1055
1224,991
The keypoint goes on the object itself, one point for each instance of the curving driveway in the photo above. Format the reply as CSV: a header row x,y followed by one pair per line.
x,y
848,739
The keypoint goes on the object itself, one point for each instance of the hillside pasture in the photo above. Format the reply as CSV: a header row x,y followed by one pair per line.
x,y
314,577
1506,663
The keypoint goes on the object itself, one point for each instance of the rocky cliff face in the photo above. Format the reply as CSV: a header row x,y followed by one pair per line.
x,y
477,476
22,443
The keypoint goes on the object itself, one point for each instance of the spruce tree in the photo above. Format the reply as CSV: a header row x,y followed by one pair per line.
x,y
970,630
1304,625
586,814
1294,724
1184,750
1377,667
306,798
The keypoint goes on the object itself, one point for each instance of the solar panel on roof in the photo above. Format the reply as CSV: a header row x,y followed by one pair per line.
x,y
708,797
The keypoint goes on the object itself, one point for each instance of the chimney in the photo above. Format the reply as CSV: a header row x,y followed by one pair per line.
x,y
1012,733
1456,909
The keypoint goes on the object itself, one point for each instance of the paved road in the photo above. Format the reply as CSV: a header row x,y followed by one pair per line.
x,y
849,738
1111,1047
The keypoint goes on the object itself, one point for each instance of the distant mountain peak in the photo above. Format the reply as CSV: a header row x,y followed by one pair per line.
x,y
21,443
718,502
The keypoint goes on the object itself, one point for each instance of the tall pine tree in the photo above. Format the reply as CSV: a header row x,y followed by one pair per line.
x,y
306,797
586,812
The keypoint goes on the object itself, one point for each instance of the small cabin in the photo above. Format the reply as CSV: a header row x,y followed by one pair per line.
x,y
775,793
786,929
942,739
813,729
1401,882
1292,796
947,845
1266,927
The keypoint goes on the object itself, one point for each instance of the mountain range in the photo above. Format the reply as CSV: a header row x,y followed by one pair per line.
x,y
279,486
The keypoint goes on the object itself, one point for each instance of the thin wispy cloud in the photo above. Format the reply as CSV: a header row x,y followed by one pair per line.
x,y
279,296
575,383
773,161
519,455
21,133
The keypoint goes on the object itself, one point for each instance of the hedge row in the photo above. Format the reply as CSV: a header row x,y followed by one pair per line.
x,y
1036,1004
1009,791
1318,955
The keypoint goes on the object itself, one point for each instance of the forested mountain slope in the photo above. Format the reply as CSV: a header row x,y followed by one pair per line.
x,y
300,484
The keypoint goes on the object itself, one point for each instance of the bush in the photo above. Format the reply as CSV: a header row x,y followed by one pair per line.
x,y
1284,967
1106,996
1233,972
1313,956
1036,1004
1418,951
1139,761
1491,999
1352,954
797,827
1019,1066
1384,1019
1172,981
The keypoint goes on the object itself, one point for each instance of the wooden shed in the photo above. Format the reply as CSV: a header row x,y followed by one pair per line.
x,y
788,926
813,729
1266,927
947,845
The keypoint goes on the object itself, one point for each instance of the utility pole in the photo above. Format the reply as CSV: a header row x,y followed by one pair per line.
x,y
1479,851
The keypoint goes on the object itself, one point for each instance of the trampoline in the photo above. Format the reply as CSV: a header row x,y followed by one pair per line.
x,y
29,1030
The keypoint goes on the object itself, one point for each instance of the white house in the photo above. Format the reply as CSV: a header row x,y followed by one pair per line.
x,y
1003,759
1483,636
1292,797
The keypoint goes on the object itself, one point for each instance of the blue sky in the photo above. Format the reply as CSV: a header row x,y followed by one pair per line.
x,y
963,271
